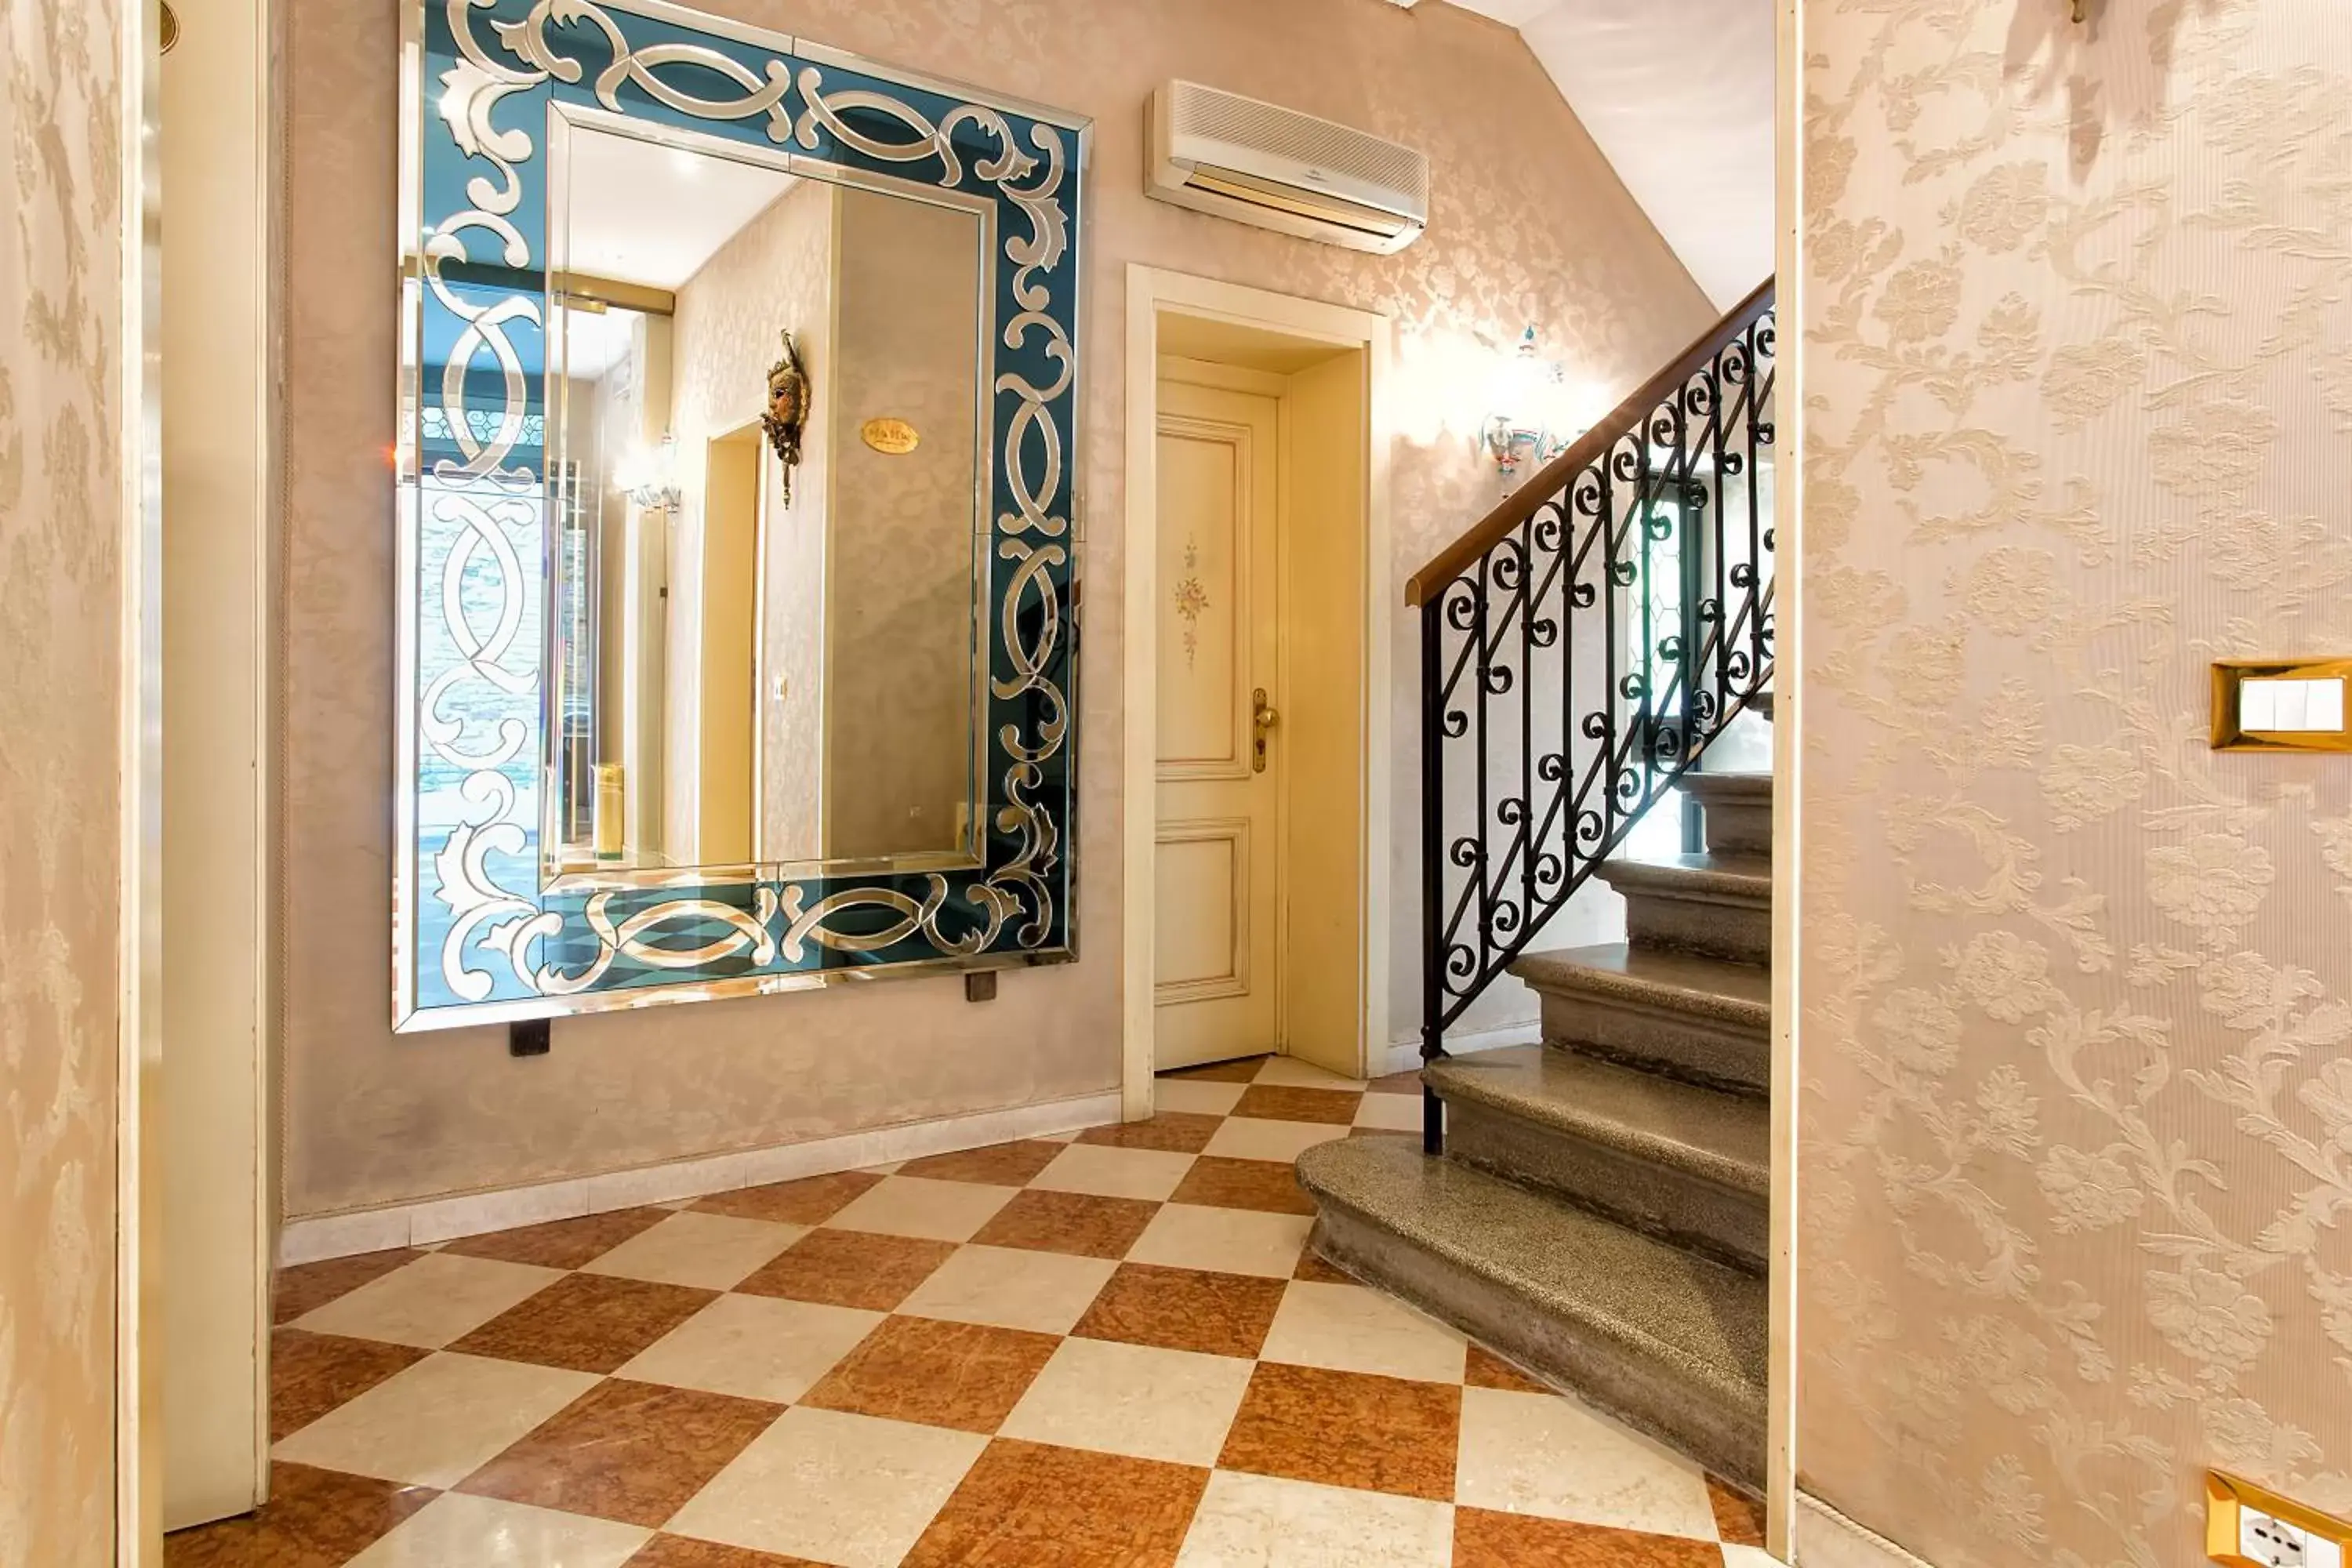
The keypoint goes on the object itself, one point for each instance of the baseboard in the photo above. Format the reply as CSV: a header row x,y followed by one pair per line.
x,y
1403,1055
312,1237
1824,1538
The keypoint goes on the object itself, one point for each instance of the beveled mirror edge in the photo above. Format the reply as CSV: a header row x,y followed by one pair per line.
x,y
409,1014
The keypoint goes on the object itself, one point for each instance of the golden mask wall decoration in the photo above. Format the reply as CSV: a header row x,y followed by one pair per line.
x,y
787,409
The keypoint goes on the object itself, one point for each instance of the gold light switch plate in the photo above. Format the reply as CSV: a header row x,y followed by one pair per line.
x,y
2283,705
2232,1505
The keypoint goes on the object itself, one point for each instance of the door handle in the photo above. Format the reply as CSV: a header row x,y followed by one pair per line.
x,y
1262,718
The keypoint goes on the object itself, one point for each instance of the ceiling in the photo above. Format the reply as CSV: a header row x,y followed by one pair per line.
x,y
652,214
1678,95
640,213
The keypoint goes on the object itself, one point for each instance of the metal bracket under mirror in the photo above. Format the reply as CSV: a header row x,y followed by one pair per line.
x,y
737,524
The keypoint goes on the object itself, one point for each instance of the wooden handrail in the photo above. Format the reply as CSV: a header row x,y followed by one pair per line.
x,y
1524,502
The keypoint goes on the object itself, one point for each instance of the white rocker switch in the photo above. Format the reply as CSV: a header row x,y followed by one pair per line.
x,y
2281,705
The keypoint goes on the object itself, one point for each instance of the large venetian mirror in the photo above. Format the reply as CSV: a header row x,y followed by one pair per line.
x,y
735,526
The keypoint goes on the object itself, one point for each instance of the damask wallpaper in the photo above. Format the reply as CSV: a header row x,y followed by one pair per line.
x,y
2076,1164
1528,223
61,517
902,610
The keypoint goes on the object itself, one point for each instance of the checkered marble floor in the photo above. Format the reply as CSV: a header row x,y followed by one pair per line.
x,y
1105,1349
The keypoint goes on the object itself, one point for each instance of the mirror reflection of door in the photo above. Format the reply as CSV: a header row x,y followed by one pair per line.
x,y
1219,838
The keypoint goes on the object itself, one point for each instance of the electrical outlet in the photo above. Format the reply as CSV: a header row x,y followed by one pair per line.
x,y
2265,1541
2246,1527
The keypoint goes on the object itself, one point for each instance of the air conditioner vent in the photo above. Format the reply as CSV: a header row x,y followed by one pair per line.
x,y
1322,146
1261,164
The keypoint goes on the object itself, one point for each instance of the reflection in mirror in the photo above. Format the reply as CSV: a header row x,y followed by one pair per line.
x,y
754,664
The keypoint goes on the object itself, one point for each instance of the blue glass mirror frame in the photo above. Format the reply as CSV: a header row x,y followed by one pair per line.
x,y
481,934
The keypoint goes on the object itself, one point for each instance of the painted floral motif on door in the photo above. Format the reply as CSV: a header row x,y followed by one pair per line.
x,y
1191,599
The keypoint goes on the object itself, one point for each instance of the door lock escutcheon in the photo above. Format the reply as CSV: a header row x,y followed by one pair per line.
x,y
1262,718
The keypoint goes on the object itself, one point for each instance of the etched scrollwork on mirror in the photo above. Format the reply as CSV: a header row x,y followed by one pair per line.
x,y
735,524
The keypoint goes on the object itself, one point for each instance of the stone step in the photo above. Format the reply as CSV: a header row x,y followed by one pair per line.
x,y
1670,1342
1738,810
1689,1166
1720,905
1700,1019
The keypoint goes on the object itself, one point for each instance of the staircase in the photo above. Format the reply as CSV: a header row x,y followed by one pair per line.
x,y
1597,1207
1601,1214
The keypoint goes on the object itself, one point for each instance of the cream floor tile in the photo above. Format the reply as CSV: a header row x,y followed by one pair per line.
x,y
1137,1400
1749,1557
1348,1328
437,1298
832,1488
1261,1521
1294,1073
483,1532
1010,1288
756,1347
1389,1113
434,1424
1253,1138
1227,1241
713,1251
1201,1097
1536,1453
1109,1172
919,1206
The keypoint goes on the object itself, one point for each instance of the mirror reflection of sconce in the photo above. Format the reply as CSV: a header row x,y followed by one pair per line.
x,y
1528,422
649,475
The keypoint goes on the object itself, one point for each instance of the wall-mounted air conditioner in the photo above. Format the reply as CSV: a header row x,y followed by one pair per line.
x,y
1258,163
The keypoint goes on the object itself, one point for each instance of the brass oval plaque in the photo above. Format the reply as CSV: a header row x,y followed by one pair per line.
x,y
895,437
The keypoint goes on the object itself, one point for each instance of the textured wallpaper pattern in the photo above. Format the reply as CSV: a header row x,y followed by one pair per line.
x,y
60,298
1527,223
2077,1167
903,600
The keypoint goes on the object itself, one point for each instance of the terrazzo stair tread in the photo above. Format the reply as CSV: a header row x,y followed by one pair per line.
x,y
1691,1166
1730,788
1674,1344
1707,1020
1737,809
1722,1138
1716,904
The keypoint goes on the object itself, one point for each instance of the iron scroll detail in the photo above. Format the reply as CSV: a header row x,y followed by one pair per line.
x,y
1582,648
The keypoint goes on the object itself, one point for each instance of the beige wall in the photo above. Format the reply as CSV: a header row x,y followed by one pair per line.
x,y
1528,223
2077,993
901,628
60,524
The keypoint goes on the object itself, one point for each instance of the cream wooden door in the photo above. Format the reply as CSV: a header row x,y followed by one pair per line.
x,y
1219,740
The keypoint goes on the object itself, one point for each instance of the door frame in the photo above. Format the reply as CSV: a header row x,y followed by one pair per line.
x,y
1151,292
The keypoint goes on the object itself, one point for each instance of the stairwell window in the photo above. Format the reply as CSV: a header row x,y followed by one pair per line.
x,y
1659,597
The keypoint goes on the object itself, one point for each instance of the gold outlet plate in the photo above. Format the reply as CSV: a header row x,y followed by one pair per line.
x,y
2311,729
2227,1497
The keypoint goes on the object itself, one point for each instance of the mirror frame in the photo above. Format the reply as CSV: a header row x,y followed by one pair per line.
x,y
481,933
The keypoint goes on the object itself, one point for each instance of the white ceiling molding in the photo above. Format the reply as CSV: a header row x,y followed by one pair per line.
x,y
1678,96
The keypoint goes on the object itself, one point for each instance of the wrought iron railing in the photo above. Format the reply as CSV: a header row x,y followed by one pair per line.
x,y
1581,646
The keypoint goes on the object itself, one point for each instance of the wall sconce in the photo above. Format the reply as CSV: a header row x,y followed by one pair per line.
x,y
1529,394
649,475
